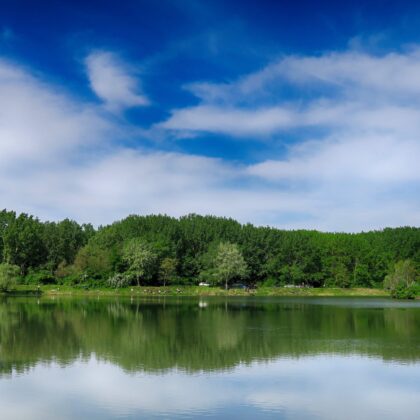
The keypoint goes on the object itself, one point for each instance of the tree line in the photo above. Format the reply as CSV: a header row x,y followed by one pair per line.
x,y
161,250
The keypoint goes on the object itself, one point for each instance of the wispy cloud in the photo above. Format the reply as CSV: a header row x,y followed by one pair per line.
x,y
367,109
38,123
231,121
63,157
349,90
380,160
349,73
114,81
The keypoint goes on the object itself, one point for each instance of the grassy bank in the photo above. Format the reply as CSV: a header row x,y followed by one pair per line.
x,y
198,291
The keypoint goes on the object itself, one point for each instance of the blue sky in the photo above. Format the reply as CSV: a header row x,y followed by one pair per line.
x,y
291,114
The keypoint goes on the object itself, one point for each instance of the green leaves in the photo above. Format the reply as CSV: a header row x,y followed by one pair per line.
x,y
140,259
229,263
157,249
8,276
167,270
402,279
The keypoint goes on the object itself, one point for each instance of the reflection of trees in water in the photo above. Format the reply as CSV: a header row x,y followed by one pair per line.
x,y
152,336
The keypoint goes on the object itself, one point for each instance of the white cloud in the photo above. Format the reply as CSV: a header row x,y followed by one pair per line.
x,y
231,121
352,73
114,81
381,160
269,121
38,123
349,89
61,157
356,163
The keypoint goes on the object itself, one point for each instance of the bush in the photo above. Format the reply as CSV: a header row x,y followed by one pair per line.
x,y
119,280
404,292
40,277
206,276
9,275
270,282
184,281
70,279
402,280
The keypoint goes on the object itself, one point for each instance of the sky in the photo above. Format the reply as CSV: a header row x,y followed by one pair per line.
x,y
293,114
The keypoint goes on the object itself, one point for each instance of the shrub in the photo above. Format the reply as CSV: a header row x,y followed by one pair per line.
x,y
70,279
40,277
270,282
402,280
404,292
9,275
119,280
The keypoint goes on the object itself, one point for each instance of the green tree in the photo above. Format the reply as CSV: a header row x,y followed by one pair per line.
x,y
68,249
93,261
229,263
22,243
361,275
63,240
140,258
402,279
167,269
338,275
8,276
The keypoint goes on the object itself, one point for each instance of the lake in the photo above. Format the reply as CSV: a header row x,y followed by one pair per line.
x,y
247,358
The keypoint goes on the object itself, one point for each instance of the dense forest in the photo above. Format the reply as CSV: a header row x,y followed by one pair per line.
x,y
158,250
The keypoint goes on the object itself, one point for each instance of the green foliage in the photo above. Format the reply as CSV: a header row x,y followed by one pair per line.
x,y
119,280
403,273
291,274
402,280
29,243
71,279
140,259
63,241
22,243
405,292
229,263
9,275
93,261
270,282
185,249
361,275
39,277
167,271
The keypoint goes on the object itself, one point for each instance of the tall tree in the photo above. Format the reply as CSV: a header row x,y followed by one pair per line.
x,y
140,259
167,269
23,244
229,263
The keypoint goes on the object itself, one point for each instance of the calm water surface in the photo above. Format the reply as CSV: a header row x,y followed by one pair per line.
x,y
241,358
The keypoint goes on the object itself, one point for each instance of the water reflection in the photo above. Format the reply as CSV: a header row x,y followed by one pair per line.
x,y
283,358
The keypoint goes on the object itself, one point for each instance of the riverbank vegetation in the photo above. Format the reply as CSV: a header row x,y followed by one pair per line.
x,y
193,291
159,250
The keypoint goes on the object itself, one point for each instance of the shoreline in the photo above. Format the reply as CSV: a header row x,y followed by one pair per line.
x,y
193,291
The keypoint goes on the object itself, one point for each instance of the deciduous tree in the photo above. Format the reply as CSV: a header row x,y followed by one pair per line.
x,y
229,263
8,276
140,259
